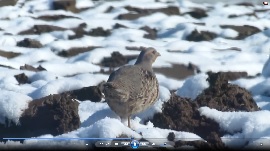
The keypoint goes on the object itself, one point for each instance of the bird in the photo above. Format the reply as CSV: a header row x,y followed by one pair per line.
x,y
133,88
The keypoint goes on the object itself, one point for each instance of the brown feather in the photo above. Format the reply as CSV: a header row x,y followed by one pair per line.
x,y
133,88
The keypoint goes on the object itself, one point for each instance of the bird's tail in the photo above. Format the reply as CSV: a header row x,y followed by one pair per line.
x,y
101,86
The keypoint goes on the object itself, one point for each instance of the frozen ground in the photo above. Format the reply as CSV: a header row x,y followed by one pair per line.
x,y
65,74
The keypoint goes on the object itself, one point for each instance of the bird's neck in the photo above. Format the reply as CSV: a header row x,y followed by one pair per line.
x,y
145,65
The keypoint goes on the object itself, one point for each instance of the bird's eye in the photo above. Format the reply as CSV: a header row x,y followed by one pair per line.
x,y
153,52
106,86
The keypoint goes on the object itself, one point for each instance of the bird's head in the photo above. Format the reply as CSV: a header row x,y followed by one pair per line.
x,y
147,56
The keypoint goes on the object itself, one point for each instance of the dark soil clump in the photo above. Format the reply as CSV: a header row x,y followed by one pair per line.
x,y
182,114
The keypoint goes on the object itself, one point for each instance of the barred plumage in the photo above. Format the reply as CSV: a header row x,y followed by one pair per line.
x,y
133,88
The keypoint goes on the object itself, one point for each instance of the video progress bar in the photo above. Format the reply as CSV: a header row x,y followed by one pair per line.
x,y
67,138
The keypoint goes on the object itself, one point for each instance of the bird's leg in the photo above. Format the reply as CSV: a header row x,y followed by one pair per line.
x,y
129,121
124,120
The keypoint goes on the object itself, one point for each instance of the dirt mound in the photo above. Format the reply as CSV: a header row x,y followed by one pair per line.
x,y
241,15
117,25
76,50
68,5
39,29
116,60
197,13
245,4
243,31
21,78
31,68
54,17
225,97
80,32
176,69
139,12
99,31
8,2
201,36
53,114
182,114
151,33
29,43
9,54
92,93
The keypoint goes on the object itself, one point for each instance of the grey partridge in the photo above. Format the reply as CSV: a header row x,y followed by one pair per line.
x,y
133,88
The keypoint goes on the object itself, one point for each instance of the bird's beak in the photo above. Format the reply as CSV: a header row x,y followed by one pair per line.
x,y
158,54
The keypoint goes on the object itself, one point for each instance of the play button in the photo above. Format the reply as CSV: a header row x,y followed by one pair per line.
x,y
134,144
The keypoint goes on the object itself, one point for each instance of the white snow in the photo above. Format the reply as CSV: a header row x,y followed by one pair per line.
x,y
229,33
98,120
193,86
67,84
170,84
246,126
12,105
84,3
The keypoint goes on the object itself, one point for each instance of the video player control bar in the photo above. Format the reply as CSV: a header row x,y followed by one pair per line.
x,y
133,144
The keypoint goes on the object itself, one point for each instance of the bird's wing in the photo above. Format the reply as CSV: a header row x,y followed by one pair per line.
x,y
134,81
127,77
123,83
120,73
